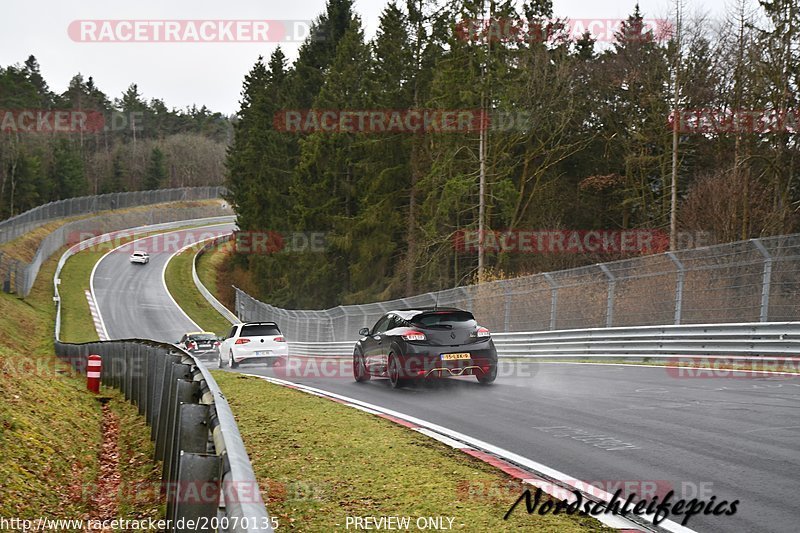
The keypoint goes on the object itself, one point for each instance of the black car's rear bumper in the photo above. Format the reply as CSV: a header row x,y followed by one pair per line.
x,y
419,362
204,351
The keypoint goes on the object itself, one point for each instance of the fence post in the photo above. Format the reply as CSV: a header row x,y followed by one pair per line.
x,y
766,280
240,306
470,301
612,281
506,307
678,286
346,323
553,299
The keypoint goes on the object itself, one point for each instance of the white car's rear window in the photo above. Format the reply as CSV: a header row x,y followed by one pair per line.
x,y
260,330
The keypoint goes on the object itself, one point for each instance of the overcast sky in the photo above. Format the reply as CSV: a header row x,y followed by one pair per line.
x,y
210,73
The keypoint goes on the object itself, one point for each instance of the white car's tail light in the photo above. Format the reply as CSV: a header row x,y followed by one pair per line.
x,y
242,341
414,336
279,339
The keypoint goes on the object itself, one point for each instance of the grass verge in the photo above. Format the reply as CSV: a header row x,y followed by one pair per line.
x,y
214,272
50,426
180,284
140,476
322,462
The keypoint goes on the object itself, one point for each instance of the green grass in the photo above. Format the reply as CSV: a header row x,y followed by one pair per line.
x,y
140,474
179,282
213,271
207,265
50,426
322,462
76,319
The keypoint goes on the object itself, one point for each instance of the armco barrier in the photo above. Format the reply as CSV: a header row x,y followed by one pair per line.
x,y
747,341
749,281
210,298
192,426
207,476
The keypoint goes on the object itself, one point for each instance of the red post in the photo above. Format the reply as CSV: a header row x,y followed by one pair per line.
x,y
93,368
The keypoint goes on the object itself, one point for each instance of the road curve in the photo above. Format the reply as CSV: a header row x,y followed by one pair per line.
x,y
612,425
132,299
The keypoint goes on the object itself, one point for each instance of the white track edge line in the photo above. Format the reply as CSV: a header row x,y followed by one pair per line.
x,y
164,278
667,525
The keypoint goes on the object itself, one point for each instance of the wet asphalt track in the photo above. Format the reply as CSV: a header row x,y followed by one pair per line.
x,y
733,438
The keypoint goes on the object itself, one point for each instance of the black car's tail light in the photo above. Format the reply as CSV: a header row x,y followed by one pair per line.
x,y
481,332
413,336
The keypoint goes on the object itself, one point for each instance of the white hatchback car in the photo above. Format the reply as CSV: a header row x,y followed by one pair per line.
x,y
140,257
253,342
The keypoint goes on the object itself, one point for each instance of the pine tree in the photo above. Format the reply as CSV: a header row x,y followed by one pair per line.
x,y
325,187
68,173
156,172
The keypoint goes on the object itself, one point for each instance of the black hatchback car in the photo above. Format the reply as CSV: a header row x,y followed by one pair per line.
x,y
425,343
200,343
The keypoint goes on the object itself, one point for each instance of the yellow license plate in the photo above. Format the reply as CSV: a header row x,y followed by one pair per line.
x,y
455,356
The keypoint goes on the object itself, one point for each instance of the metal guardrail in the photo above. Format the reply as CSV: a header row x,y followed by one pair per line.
x,y
210,298
191,424
749,281
18,276
752,340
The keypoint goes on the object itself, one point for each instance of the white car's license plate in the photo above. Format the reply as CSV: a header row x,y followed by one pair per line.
x,y
262,353
454,356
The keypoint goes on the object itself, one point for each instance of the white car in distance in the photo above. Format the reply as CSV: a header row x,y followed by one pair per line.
x,y
253,342
140,257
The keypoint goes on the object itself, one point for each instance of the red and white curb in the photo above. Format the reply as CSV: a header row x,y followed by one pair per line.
x,y
98,322
552,482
